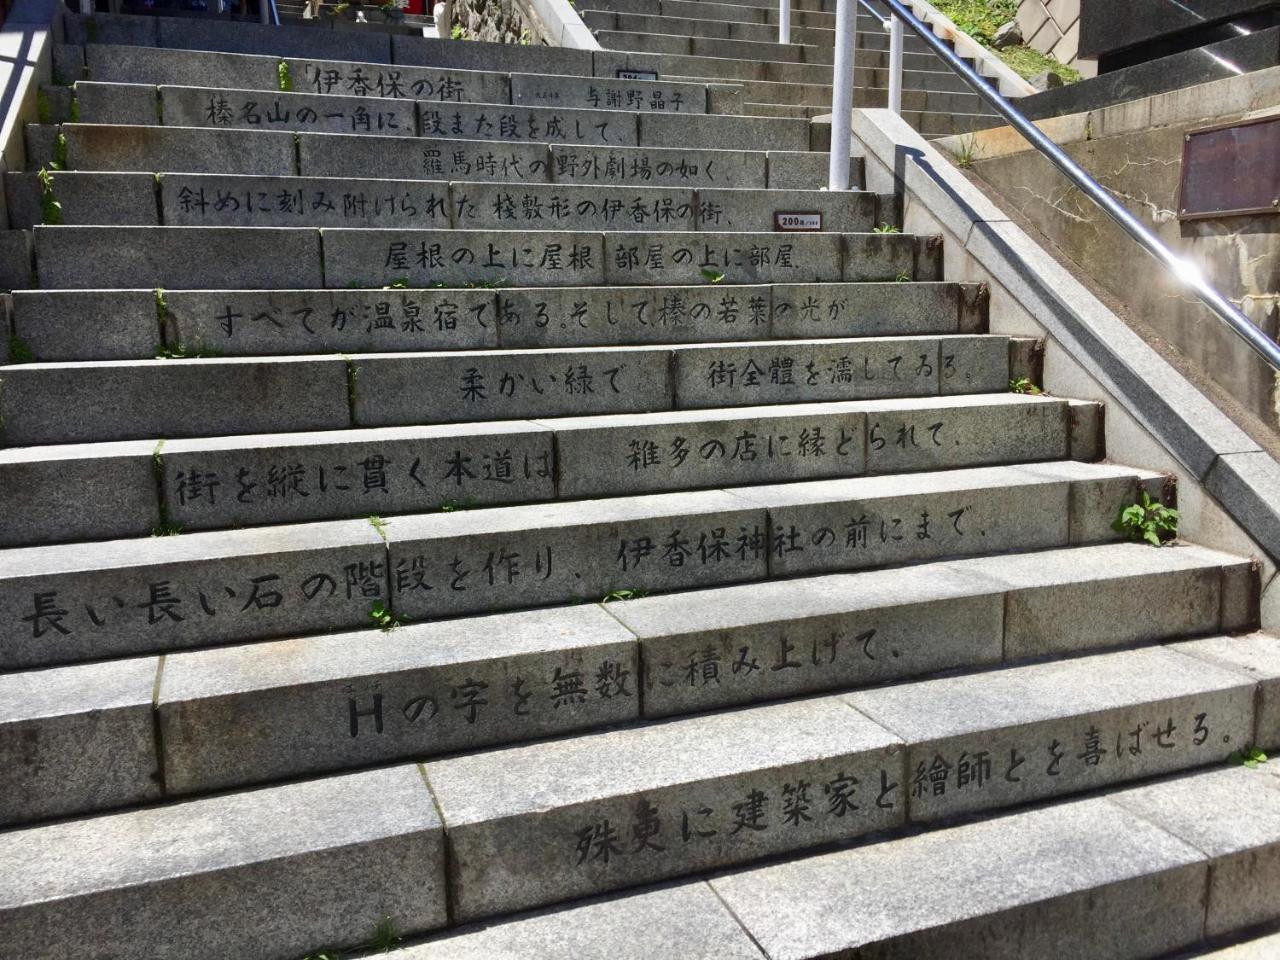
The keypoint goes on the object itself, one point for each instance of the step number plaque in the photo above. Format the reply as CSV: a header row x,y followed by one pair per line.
x,y
1230,170
797,222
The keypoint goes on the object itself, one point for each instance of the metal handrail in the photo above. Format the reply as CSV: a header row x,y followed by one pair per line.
x,y
1184,270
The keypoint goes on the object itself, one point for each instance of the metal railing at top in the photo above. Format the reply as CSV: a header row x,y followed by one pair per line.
x,y
841,143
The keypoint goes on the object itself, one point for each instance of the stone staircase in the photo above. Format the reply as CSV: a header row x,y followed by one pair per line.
x,y
738,42
403,530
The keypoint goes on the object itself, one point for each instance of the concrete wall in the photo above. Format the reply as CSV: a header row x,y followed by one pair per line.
x,y
1135,150
1053,27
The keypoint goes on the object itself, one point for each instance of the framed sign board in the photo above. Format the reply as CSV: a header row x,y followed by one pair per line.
x,y
622,73
1231,170
797,221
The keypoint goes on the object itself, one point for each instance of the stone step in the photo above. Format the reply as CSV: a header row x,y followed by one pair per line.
x,y
139,68
548,822
290,257
124,149
238,200
167,593
544,823
917,66
823,37
251,714
819,94
248,875
375,45
51,324
328,113
489,463
731,12
1097,863
169,398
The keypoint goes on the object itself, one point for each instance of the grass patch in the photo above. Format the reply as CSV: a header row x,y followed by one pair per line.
x,y
981,19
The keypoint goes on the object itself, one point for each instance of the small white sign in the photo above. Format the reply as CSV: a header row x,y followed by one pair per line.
x,y
797,222
623,73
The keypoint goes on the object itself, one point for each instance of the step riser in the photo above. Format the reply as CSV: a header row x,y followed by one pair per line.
x,y
172,593
246,323
291,258
711,30
192,149
192,200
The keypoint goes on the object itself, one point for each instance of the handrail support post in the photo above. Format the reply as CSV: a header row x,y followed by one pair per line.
x,y
895,64
784,21
842,94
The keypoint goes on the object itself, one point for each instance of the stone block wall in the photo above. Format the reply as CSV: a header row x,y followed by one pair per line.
x,y
1053,27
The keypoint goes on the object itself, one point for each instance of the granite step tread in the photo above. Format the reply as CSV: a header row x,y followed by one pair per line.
x,y
52,323
329,392
233,477
1126,881
123,148
546,822
241,200
538,824
69,257
63,604
592,118
251,714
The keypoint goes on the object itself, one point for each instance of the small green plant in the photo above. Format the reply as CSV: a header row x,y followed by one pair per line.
x,y
1147,521
282,74
457,33
614,596
452,506
19,352
44,109
59,161
885,227
50,208
184,352
1024,385
525,38
166,529
966,151
384,618
75,110
400,283
380,525
903,277
1247,757
385,935
711,275
340,9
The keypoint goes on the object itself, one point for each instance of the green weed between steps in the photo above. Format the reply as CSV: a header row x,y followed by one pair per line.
x,y
59,161
384,619
380,525
614,596
1024,385
981,19
966,151
885,228
452,506
19,351
1248,757
282,73
903,277
1147,521
384,940
712,276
